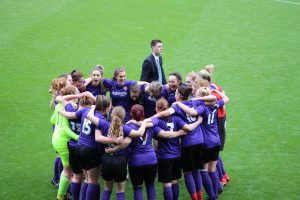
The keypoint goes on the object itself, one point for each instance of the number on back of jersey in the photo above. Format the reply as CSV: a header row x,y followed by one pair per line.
x,y
86,129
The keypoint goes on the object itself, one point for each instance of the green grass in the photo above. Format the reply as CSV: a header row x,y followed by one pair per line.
x,y
254,44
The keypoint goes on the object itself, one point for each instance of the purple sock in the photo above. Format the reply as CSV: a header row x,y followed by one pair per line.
x,y
189,183
98,192
151,193
168,193
220,187
92,191
198,180
175,189
138,192
106,195
69,190
220,161
56,174
60,167
214,179
75,190
207,183
219,170
120,195
83,191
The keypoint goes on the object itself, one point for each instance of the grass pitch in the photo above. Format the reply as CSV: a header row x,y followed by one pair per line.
x,y
254,44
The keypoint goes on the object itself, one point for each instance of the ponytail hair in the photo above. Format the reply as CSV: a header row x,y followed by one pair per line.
x,y
117,71
137,112
200,82
177,75
155,88
67,90
184,92
86,101
203,91
116,127
102,103
204,74
99,68
57,84
162,104
76,75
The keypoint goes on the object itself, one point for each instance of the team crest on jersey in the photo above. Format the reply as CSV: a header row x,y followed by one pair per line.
x,y
125,88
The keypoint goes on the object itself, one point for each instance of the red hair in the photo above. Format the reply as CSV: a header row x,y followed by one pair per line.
x,y
137,112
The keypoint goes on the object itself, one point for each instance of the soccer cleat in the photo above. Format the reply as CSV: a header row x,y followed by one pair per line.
x,y
223,182
55,183
226,177
68,196
220,190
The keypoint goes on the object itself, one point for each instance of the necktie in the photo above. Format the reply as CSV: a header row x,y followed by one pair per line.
x,y
158,70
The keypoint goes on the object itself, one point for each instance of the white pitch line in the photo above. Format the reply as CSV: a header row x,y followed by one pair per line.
x,y
295,3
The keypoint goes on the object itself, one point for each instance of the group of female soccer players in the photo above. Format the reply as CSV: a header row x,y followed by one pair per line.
x,y
147,129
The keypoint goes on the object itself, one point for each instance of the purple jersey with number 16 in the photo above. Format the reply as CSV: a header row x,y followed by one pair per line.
x,y
193,137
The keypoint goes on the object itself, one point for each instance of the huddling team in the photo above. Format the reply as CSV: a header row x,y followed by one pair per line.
x,y
147,129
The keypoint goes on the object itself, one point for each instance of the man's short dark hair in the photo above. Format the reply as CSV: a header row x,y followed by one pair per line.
x,y
154,42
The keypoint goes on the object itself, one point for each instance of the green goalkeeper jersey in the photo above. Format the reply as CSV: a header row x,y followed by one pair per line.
x,y
62,128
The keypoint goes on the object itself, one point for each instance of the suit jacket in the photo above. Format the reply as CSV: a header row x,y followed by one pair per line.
x,y
149,70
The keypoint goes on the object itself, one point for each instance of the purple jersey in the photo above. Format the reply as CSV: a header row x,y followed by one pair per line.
x,y
120,95
74,123
210,124
193,137
168,148
95,89
87,131
141,151
168,94
149,103
103,126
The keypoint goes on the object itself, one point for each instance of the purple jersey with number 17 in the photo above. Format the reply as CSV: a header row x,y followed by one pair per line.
x,y
210,124
193,137
141,151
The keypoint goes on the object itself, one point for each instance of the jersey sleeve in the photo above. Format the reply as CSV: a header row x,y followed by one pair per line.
x,y
156,131
200,109
131,83
79,113
173,109
68,130
53,119
64,124
107,83
103,126
126,130
70,108
155,121
179,122
220,103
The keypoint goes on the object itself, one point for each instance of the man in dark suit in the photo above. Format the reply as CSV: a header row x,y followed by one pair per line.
x,y
152,66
